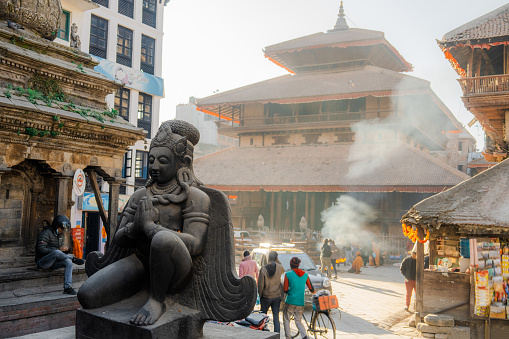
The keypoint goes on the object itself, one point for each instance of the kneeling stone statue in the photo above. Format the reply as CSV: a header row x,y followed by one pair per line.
x,y
170,265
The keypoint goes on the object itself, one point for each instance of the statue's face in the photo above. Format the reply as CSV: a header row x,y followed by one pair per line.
x,y
162,165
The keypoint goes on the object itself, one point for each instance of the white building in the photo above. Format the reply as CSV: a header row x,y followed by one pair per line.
x,y
126,36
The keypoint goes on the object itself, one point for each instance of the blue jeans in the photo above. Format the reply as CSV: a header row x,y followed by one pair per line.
x,y
58,259
274,304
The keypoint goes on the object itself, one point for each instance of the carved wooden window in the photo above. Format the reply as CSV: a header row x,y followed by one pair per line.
x,y
98,36
126,7
122,99
141,165
312,139
145,113
128,164
149,12
147,54
63,30
124,46
104,3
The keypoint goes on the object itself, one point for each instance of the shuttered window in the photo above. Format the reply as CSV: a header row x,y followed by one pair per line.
x,y
98,36
124,46
147,54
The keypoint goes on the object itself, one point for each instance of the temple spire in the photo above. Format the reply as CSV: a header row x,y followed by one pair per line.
x,y
341,24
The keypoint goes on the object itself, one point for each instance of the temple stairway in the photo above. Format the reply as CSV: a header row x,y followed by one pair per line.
x,y
31,300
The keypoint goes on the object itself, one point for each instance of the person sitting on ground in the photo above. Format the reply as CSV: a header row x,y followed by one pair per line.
x,y
248,266
408,269
294,285
269,288
50,252
357,264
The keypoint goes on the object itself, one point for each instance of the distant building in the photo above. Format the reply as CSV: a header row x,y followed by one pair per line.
x,y
346,121
126,36
210,140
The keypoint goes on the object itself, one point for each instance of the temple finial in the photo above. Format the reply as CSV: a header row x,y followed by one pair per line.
x,y
341,24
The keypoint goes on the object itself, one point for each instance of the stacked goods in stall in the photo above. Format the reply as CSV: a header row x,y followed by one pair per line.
x,y
490,257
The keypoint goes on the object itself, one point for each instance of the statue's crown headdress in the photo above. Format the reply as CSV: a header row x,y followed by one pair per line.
x,y
178,135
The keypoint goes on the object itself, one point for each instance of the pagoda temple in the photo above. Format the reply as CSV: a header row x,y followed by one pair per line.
x,y
347,120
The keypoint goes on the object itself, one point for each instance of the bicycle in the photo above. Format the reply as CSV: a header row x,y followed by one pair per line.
x,y
321,324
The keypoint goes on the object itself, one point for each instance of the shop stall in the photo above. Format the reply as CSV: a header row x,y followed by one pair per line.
x,y
467,231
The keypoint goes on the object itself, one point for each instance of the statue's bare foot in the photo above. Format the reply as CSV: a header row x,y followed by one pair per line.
x,y
149,313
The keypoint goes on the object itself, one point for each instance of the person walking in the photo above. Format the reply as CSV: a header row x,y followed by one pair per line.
x,y
325,253
270,289
51,254
248,266
294,286
408,269
335,255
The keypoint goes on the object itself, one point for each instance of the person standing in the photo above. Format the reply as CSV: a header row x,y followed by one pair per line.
x,y
270,289
408,269
325,253
248,266
51,254
376,252
335,255
294,286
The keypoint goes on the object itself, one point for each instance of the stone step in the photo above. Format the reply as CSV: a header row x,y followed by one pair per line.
x,y
452,332
36,310
28,278
9,252
439,320
13,262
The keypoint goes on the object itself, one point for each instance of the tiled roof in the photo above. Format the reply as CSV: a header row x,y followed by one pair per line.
x,y
323,39
326,165
490,25
370,79
479,201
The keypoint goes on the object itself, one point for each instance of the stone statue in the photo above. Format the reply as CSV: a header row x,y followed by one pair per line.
x,y
303,224
260,223
175,242
75,38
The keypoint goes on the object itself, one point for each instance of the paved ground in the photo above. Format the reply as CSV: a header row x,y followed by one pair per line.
x,y
372,304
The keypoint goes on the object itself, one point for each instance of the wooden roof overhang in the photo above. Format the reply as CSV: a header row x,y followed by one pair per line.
x,y
478,205
330,188
378,52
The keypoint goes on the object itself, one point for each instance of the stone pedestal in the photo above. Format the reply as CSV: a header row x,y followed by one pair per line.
x,y
112,322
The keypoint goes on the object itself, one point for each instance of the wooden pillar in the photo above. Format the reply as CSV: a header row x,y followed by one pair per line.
x,y
326,201
306,209
313,209
61,194
272,207
294,217
278,225
114,190
419,289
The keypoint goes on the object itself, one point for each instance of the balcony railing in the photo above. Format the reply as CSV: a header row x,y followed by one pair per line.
x,y
485,85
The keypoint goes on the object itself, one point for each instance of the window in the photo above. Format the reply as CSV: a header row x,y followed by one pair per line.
x,y
102,2
63,30
149,12
460,168
128,163
122,98
145,112
140,165
124,46
147,54
98,36
460,146
126,7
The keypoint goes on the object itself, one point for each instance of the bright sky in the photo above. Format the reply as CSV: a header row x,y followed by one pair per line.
x,y
212,45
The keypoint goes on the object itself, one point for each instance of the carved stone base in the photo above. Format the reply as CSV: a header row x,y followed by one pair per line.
x,y
112,322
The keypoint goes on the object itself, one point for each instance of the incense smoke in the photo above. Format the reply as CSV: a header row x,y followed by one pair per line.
x,y
345,221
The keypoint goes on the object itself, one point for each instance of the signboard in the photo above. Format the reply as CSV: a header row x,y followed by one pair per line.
x,y
79,182
89,203
131,78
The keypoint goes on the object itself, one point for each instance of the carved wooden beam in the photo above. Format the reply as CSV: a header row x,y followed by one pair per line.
x,y
95,187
